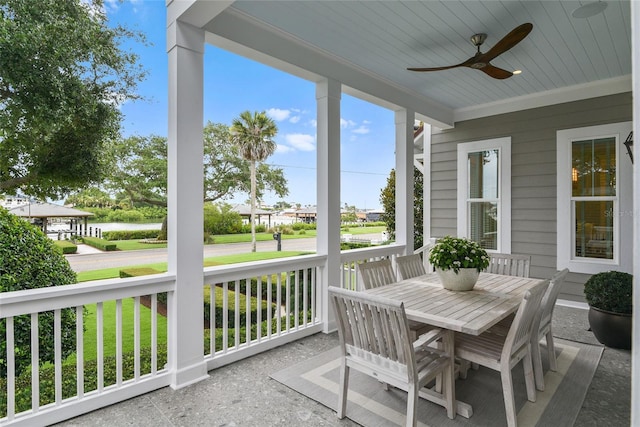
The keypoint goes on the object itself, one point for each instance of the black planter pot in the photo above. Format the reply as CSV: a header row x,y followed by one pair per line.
x,y
611,329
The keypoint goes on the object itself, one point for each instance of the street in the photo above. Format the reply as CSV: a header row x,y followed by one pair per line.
x,y
95,261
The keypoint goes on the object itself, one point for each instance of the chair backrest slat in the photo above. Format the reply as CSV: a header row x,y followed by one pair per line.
x,y
410,266
373,274
509,264
372,327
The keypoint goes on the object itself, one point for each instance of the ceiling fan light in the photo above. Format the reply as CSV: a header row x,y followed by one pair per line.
x,y
516,72
590,9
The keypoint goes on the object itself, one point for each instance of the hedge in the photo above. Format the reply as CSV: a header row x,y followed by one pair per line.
x,y
47,378
101,244
65,247
130,234
231,308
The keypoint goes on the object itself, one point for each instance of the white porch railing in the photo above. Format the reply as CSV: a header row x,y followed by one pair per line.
x,y
349,259
281,304
250,308
68,388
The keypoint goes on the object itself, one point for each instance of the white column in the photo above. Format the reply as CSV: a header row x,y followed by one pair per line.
x,y
635,352
185,46
404,120
328,93
426,187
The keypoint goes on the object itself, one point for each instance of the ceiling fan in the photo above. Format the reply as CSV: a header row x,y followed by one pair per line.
x,y
481,61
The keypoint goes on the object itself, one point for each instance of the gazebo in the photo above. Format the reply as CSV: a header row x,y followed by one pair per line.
x,y
245,213
44,211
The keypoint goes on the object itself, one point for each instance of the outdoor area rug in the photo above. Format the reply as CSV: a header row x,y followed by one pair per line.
x,y
370,405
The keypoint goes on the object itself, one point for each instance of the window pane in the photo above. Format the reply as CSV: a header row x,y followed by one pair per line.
x,y
593,170
483,224
483,174
594,229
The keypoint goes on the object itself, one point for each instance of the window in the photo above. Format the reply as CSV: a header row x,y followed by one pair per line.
x,y
594,193
484,193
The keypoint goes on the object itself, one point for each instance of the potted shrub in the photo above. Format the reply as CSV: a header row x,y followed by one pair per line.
x,y
458,262
609,295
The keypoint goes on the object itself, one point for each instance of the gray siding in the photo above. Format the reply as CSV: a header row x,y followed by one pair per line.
x,y
533,174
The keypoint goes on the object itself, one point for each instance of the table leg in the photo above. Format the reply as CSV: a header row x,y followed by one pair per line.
x,y
463,409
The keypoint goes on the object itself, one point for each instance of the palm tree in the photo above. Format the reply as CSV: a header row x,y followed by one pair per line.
x,y
253,134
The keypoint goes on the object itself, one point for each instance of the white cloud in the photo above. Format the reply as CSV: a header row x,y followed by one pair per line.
x,y
278,114
362,130
301,141
294,119
313,123
283,148
112,5
366,122
346,123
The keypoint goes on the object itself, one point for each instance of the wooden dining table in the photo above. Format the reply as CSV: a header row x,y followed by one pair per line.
x,y
493,298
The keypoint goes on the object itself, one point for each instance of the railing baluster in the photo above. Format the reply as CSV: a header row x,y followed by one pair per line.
x,y
236,314
314,290
11,370
212,319
287,301
269,306
305,301
57,334
35,363
100,345
279,304
154,333
136,338
296,312
259,314
119,342
80,351
225,316
247,313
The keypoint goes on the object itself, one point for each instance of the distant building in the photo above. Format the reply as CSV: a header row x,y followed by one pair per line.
x,y
373,216
10,202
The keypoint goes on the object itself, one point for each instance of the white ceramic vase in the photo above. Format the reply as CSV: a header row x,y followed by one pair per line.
x,y
464,280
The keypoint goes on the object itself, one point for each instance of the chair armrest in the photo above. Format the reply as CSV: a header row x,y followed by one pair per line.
x,y
429,337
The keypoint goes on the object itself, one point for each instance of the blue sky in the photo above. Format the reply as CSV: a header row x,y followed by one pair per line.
x,y
234,84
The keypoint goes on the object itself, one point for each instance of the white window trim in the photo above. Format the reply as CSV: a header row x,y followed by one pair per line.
x,y
623,207
503,145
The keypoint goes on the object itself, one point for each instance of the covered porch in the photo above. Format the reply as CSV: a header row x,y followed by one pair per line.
x,y
184,366
244,394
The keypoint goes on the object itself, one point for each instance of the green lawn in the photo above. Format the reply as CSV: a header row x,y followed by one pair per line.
x,y
131,245
109,329
111,273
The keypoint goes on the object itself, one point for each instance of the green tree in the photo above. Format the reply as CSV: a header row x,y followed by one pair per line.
x,y
388,200
90,198
253,134
141,172
220,219
29,260
63,74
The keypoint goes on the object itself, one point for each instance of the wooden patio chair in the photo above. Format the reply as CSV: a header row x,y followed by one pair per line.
x,y
375,339
509,264
373,274
410,266
502,352
544,328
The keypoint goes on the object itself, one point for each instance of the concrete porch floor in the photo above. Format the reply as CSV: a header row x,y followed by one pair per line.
x,y
242,394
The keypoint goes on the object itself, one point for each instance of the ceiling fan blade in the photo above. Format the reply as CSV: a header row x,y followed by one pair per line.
x,y
507,42
495,72
436,68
